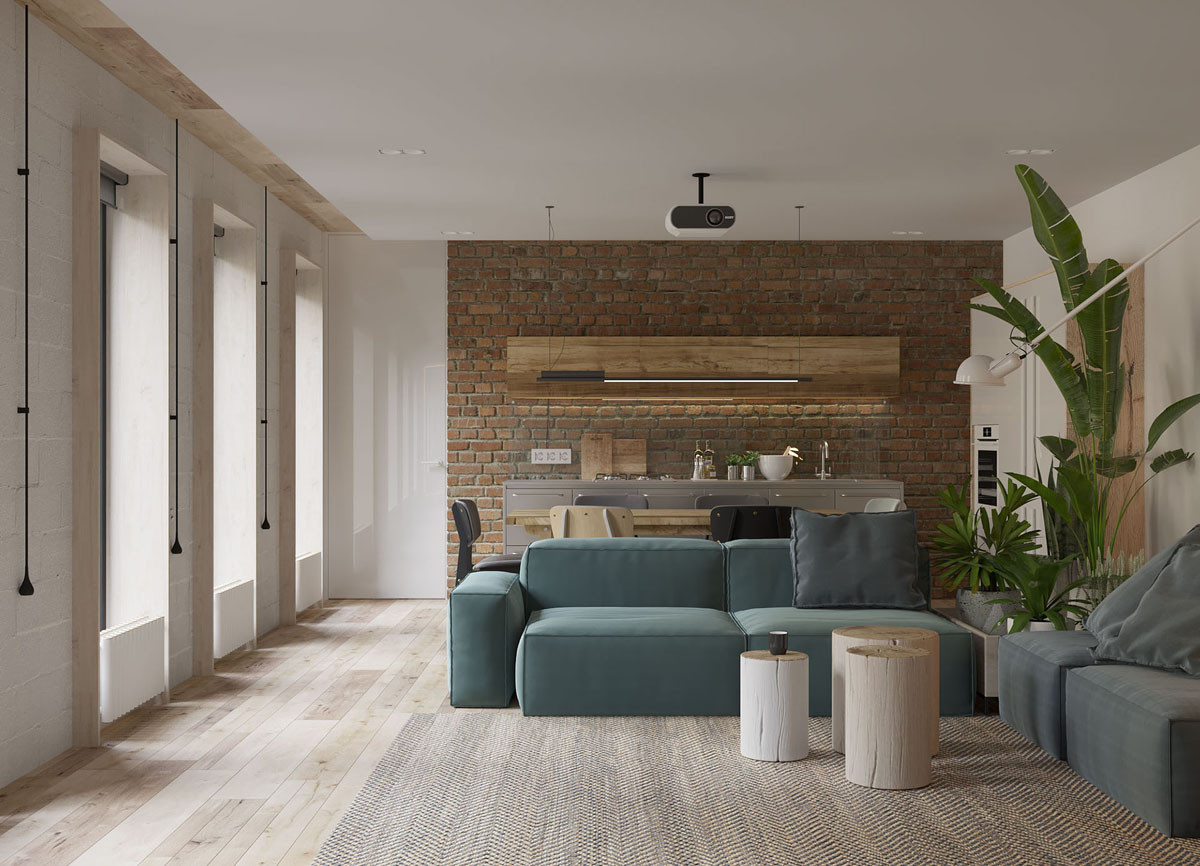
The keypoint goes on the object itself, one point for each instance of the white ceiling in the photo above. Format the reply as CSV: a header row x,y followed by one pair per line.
x,y
877,115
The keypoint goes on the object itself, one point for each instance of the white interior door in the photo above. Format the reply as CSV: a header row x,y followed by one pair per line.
x,y
387,419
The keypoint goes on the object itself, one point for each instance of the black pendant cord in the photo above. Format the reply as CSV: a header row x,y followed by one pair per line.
x,y
549,363
176,547
26,587
266,524
800,354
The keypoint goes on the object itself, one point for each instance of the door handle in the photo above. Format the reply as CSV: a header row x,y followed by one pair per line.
x,y
441,463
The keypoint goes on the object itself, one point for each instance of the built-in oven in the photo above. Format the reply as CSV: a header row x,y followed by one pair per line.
x,y
986,464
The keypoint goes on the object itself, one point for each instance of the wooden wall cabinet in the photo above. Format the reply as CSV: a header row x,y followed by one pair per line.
x,y
757,369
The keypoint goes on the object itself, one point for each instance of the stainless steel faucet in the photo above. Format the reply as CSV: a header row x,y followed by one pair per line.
x,y
826,470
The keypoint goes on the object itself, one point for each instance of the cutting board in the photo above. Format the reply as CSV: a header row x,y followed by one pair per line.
x,y
629,456
595,455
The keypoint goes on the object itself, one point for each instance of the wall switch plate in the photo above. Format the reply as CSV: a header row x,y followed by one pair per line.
x,y
552,456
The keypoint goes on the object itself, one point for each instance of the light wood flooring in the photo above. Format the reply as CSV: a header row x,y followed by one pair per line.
x,y
254,765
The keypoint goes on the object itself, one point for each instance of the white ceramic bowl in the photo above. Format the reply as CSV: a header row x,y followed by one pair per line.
x,y
775,467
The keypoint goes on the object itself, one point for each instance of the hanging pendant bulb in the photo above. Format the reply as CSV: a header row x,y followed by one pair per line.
x,y
26,587
176,547
266,524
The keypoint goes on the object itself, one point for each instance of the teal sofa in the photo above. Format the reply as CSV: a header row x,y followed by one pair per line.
x,y
1132,731
652,626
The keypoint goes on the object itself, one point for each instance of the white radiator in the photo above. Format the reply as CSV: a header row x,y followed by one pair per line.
x,y
131,666
308,581
233,617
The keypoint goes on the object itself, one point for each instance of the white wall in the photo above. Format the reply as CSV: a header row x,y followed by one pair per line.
x,y
1124,223
68,90
386,404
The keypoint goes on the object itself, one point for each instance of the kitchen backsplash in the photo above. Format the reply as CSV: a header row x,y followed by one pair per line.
x,y
917,290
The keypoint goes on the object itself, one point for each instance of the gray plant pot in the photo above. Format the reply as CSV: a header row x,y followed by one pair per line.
x,y
973,608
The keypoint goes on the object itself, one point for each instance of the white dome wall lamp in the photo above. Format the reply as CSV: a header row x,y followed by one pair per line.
x,y
982,370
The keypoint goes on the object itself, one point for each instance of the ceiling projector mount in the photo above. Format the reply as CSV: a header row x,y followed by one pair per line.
x,y
700,221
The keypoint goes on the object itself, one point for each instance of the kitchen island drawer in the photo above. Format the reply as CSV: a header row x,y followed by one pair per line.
x,y
809,499
856,498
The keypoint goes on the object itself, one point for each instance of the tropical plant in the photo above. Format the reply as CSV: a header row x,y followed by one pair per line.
x,y
977,545
1036,578
1083,489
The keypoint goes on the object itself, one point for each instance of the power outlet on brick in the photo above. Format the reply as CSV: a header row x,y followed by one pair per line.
x,y
552,456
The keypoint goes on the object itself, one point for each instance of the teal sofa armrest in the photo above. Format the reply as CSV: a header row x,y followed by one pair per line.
x,y
487,616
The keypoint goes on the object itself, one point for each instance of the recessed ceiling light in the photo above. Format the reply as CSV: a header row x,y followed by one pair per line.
x,y
908,233
402,151
1041,151
1017,151
459,234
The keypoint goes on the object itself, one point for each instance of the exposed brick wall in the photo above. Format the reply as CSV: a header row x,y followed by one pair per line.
x,y
917,290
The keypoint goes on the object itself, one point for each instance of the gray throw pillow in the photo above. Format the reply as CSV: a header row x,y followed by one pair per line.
x,y
1106,620
856,560
1160,605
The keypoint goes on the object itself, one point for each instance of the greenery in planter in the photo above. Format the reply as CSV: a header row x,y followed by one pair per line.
x,y
977,547
1108,575
1036,577
1082,496
746,459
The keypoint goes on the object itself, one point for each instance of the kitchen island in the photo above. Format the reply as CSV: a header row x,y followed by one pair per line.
x,y
815,494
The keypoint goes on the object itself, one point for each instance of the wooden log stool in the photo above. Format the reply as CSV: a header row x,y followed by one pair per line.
x,y
887,716
774,706
884,635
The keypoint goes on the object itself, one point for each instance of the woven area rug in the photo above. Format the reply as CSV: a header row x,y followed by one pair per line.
x,y
499,788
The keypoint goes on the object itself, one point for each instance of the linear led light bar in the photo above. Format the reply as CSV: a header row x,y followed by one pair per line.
x,y
599,376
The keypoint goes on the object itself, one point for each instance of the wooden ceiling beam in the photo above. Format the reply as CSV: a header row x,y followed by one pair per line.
x,y
100,34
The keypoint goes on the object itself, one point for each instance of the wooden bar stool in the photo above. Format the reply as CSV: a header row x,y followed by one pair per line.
x,y
883,635
887,716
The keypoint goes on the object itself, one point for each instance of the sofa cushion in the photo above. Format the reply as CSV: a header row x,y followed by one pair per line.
x,y
1032,674
1134,732
623,572
758,573
1161,607
809,631
619,661
856,560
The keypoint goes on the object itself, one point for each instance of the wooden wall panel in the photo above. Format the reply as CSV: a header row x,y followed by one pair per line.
x,y
837,366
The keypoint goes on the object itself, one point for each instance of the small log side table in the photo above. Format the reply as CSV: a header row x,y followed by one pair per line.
x,y
774,723
868,635
887,716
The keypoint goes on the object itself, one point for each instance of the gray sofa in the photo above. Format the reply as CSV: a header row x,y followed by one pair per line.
x,y
1132,731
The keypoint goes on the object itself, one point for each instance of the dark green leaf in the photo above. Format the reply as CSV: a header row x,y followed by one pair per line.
x,y
1060,449
1168,417
1168,459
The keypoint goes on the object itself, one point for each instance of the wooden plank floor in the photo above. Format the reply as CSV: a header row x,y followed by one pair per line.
x,y
254,765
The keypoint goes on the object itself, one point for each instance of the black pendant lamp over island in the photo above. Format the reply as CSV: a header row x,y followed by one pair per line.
x,y
26,587
266,524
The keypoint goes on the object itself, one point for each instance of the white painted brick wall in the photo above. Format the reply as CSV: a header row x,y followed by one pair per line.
x,y
68,90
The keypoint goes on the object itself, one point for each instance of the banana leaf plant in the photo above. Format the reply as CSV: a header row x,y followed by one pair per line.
x,y
1081,491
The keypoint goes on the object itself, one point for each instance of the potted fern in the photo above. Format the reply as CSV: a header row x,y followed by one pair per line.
x,y
977,552
1044,605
